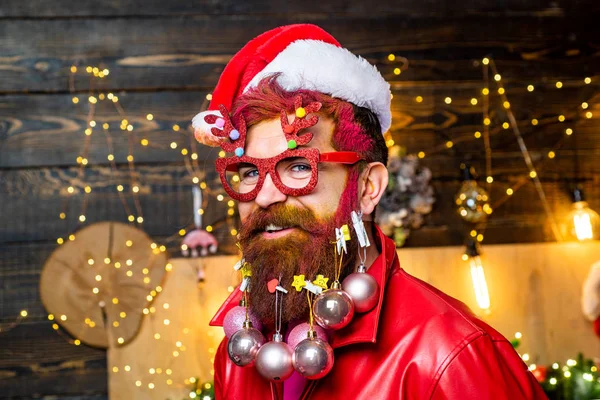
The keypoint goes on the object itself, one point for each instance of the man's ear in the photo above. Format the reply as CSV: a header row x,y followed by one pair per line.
x,y
373,182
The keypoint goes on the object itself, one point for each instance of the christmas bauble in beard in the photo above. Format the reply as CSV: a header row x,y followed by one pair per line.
x,y
234,320
363,289
274,360
333,308
243,345
300,332
313,357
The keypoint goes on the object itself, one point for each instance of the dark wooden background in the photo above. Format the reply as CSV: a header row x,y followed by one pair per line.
x,y
165,56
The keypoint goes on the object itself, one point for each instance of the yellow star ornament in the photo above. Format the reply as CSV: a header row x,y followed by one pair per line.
x,y
298,282
246,270
321,281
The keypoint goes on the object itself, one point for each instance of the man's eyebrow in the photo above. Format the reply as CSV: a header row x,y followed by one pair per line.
x,y
245,165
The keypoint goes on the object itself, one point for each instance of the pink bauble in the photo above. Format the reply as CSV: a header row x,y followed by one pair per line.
x,y
299,333
234,320
313,358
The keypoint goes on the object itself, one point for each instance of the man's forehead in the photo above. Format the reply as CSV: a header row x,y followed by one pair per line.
x,y
267,137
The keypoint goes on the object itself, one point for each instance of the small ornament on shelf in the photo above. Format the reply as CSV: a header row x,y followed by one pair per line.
x,y
198,243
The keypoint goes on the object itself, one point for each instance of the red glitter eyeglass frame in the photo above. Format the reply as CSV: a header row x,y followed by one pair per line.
x,y
267,166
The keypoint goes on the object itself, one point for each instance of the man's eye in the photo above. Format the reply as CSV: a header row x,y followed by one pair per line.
x,y
249,173
301,168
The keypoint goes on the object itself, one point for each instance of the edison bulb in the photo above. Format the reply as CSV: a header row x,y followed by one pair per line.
x,y
472,202
583,223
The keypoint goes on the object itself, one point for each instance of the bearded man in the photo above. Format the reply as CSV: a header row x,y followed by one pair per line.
x,y
305,121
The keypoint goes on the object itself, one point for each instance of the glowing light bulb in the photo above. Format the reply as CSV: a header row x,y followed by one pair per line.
x,y
479,283
583,223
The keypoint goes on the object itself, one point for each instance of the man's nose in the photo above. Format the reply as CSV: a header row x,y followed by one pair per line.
x,y
269,194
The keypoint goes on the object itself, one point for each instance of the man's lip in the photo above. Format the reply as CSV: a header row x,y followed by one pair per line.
x,y
277,234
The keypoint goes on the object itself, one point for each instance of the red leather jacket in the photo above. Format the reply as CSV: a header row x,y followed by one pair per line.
x,y
418,343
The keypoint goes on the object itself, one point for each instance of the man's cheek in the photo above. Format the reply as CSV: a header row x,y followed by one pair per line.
x,y
244,212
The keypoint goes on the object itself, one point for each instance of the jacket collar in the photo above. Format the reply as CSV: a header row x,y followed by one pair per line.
x,y
363,328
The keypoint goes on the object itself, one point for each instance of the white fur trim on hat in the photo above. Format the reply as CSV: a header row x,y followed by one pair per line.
x,y
332,70
590,297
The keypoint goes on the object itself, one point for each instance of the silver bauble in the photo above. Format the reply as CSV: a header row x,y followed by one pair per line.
x,y
244,344
363,289
333,308
313,358
274,360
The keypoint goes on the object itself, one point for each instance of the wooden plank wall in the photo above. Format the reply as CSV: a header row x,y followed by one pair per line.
x,y
164,57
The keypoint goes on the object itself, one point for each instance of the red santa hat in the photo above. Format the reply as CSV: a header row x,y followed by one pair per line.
x,y
305,57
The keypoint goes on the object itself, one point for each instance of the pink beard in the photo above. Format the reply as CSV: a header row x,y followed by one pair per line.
x,y
308,250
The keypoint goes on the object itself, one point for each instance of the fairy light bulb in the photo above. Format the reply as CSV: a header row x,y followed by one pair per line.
x,y
478,276
583,223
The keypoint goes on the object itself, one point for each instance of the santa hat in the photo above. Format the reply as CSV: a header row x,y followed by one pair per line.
x,y
305,57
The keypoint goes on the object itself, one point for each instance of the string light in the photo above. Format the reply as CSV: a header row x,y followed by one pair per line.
x,y
587,80
448,100
530,88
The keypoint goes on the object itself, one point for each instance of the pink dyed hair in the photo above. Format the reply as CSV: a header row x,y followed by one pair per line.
x,y
352,132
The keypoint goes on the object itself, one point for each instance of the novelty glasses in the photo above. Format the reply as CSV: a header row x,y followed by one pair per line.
x,y
294,172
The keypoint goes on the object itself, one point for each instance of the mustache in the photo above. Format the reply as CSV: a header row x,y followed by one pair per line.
x,y
281,215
